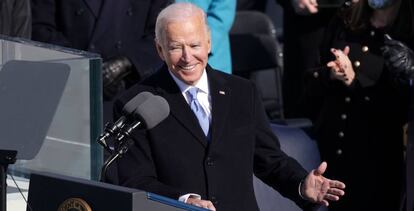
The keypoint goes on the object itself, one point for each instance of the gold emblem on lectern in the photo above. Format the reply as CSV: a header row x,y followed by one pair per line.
x,y
74,204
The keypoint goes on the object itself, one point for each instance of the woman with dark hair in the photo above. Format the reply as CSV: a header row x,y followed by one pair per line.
x,y
364,86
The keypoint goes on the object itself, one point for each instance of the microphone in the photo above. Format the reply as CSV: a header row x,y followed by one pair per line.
x,y
149,114
128,109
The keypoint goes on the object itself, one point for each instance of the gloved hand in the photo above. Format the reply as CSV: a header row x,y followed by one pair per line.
x,y
399,58
113,71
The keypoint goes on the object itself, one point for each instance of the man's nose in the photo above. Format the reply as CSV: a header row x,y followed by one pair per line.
x,y
187,54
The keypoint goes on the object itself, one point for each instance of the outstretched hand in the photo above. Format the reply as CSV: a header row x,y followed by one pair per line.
x,y
318,189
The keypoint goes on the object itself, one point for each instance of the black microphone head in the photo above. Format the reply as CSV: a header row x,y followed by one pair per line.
x,y
154,110
133,104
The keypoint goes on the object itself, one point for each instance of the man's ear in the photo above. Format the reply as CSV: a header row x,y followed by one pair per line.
x,y
159,49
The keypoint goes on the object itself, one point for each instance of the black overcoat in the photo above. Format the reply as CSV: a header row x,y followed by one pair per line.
x,y
174,158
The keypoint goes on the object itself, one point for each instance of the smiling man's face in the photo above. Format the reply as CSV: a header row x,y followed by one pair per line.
x,y
185,46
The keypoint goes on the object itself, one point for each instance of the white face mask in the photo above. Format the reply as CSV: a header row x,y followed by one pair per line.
x,y
380,4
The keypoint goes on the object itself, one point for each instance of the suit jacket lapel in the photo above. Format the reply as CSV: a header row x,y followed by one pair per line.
x,y
94,6
179,108
220,98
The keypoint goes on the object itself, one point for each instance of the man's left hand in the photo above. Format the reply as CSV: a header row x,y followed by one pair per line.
x,y
318,189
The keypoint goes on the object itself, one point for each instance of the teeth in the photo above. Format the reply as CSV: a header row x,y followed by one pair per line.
x,y
187,67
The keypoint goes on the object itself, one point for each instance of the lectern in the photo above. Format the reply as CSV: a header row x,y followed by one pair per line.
x,y
50,192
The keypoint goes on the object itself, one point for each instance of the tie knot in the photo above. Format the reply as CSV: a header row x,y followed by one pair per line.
x,y
192,92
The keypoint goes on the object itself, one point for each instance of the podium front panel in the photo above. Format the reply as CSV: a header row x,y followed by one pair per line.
x,y
49,192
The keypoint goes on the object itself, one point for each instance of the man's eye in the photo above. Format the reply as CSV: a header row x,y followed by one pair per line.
x,y
175,48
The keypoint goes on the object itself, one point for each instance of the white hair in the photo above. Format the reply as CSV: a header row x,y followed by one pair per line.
x,y
178,12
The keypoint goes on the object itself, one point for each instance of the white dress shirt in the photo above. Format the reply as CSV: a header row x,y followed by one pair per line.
x,y
203,95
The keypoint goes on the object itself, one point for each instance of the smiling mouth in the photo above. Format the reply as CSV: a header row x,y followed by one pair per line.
x,y
187,68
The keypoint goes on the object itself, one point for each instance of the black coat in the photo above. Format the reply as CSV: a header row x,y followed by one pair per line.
x,y
302,37
174,158
110,28
360,128
15,18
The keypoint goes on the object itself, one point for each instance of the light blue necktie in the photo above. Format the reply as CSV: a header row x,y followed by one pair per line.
x,y
198,109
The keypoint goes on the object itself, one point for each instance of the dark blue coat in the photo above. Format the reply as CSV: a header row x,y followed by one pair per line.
x,y
110,28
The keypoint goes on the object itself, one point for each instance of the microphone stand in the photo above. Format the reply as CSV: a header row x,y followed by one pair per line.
x,y
6,157
107,163
110,129
125,142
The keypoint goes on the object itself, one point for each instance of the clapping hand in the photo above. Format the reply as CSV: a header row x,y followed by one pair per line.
x,y
341,67
305,7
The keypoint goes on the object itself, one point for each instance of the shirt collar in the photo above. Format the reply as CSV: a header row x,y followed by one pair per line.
x,y
202,84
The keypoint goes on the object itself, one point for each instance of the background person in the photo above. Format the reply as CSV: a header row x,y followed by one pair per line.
x,y
365,103
15,18
121,31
